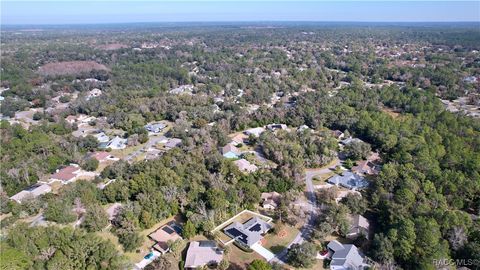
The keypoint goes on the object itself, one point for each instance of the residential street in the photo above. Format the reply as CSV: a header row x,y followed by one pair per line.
x,y
312,211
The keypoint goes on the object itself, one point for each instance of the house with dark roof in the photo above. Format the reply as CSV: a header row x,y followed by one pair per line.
x,y
274,127
345,257
248,233
349,180
169,232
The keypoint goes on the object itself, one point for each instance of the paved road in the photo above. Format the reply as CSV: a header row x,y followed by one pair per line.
x,y
152,140
313,211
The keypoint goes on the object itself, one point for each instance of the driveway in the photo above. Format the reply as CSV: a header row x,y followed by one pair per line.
x,y
313,211
265,253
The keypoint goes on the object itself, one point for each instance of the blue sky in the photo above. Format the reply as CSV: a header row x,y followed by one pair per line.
x,y
110,11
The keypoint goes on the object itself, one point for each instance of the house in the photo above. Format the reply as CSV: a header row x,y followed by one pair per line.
x,y
349,180
31,192
338,134
302,128
203,253
255,131
152,153
71,119
248,233
172,143
103,156
230,151
101,137
270,200
165,234
245,166
274,127
359,226
238,139
66,175
345,257
365,167
351,140
155,127
182,89
94,93
117,143
470,79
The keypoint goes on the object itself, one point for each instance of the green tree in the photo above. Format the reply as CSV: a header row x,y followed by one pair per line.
x,y
95,218
302,255
11,259
59,211
90,164
259,265
189,230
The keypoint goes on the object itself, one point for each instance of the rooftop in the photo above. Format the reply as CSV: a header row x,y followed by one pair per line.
x,y
346,256
203,253
249,232
349,180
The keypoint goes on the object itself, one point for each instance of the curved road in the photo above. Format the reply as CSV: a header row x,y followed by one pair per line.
x,y
313,211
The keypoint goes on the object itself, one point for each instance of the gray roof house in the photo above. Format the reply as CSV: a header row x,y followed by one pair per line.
x,y
248,233
117,143
349,180
173,142
155,127
345,257
31,192
350,140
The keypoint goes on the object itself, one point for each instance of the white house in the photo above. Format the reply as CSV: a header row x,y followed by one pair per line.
x,y
31,192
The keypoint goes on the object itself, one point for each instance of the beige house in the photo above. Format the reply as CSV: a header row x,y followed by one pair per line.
x,y
359,226
245,166
270,200
203,253
163,235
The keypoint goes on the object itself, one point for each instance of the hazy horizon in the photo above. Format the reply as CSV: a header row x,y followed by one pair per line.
x,y
119,12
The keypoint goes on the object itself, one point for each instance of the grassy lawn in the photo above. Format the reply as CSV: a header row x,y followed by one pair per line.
x,y
122,153
276,243
241,259
322,179
317,266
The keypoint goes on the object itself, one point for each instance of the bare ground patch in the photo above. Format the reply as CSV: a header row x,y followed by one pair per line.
x,y
69,68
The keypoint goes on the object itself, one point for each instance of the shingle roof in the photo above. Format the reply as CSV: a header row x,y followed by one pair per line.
x,y
202,253
230,148
345,255
349,180
249,232
66,173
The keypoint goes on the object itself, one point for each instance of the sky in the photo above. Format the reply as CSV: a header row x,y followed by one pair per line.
x,y
15,12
